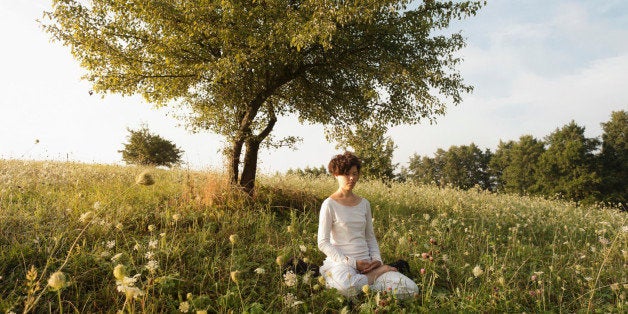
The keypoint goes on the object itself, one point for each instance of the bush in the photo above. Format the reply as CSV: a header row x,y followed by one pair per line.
x,y
144,148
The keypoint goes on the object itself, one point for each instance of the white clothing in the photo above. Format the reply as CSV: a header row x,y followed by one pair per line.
x,y
345,235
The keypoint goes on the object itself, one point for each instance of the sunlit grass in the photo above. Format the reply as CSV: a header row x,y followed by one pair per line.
x,y
191,243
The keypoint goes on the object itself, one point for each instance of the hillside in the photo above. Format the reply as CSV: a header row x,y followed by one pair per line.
x,y
189,243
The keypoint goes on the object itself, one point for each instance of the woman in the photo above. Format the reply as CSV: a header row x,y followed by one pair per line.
x,y
345,235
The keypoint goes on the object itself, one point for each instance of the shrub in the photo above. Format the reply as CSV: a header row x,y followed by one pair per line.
x,y
144,148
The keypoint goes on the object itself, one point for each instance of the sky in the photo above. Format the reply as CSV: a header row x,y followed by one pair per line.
x,y
535,65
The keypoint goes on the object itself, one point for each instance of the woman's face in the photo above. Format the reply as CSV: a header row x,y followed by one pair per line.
x,y
349,180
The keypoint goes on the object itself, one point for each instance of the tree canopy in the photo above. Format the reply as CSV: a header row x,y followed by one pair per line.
x,y
145,148
238,64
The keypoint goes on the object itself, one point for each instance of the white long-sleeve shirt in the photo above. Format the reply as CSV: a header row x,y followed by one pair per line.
x,y
345,233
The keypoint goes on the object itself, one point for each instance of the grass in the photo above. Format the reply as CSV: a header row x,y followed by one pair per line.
x,y
190,242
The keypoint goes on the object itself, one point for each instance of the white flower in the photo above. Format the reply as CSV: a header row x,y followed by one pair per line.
x,y
176,217
291,301
86,216
260,271
307,277
603,240
149,255
153,244
624,229
233,238
137,247
130,291
152,266
184,307
290,278
477,271
119,272
57,281
303,248
111,244
97,205
151,228
116,257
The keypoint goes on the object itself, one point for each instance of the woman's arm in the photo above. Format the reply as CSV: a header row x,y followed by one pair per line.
x,y
369,234
325,221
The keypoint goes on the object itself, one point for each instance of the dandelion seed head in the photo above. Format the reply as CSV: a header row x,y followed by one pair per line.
x,y
176,217
233,238
477,271
57,281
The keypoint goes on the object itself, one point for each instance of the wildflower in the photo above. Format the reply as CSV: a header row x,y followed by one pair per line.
x,y
119,226
289,229
151,228
321,280
111,244
137,247
233,238
366,289
131,292
615,287
201,312
624,229
184,307
149,255
86,216
163,234
145,178
603,240
96,205
57,281
188,296
235,276
176,217
477,271
290,279
152,266
303,248
307,277
280,260
426,217
316,287
423,271
116,257
153,244
119,272
291,301
260,271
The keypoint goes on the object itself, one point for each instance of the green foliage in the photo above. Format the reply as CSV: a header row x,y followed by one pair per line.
x,y
309,171
238,65
567,168
144,148
462,166
514,165
367,140
613,158
536,255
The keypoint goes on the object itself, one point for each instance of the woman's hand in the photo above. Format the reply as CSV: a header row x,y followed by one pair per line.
x,y
364,266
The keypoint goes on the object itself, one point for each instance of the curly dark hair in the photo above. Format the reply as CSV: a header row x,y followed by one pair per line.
x,y
341,164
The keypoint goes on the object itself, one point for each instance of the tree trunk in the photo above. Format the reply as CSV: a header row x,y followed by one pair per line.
x,y
249,170
234,160
247,181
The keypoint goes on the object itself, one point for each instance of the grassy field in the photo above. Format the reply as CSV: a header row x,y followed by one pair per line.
x,y
89,238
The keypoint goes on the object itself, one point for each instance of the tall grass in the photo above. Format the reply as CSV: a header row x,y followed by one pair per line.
x,y
191,243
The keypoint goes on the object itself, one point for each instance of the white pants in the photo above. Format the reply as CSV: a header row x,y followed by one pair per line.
x,y
349,282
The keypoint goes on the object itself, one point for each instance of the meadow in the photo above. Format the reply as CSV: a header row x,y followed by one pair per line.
x,y
81,238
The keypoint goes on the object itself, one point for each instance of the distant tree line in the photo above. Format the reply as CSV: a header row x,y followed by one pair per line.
x,y
566,164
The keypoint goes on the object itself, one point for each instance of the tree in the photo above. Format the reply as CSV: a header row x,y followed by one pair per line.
x,y
614,158
309,171
144,148
568,167
466,166
514,164
426,170
370,143
238,65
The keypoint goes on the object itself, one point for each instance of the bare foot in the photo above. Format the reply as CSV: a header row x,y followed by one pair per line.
x,y
373,274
